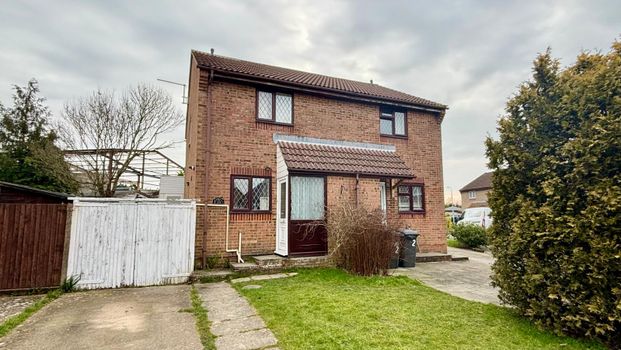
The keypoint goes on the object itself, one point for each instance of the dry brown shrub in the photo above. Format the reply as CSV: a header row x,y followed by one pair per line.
x,y
361,241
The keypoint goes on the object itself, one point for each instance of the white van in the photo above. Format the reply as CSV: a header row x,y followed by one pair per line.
x,y
478,216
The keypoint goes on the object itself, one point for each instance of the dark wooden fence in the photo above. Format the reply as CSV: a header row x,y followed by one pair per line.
x,y
32,239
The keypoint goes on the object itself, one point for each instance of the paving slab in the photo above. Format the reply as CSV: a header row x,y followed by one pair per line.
x,y
256,339
234,322
468,279
237,325
13,305
136,318
263,277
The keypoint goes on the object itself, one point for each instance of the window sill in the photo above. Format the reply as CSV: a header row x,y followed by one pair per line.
x,y
272,122
402,137
251,211
415,212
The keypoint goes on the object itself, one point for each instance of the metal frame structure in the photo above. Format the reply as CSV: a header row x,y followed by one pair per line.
x,y
144,171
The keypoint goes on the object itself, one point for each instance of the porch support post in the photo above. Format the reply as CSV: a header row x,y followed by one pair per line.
x,y
356,192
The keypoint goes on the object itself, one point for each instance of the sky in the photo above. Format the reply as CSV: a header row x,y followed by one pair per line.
x,y
470,55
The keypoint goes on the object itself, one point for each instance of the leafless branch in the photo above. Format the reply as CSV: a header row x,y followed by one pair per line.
x,y
134,121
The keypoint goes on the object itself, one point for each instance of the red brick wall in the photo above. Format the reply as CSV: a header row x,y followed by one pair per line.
x,y
239,144
343,188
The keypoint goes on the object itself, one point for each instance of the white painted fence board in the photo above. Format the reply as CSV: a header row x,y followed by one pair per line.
x,y
118,243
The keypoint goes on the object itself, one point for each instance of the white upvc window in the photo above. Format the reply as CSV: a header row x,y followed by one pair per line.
x,y
472,195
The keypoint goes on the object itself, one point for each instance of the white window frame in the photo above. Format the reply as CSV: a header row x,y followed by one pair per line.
x,y
472,194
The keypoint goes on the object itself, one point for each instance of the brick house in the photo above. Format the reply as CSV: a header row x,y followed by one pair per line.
x,y
475,193
277,146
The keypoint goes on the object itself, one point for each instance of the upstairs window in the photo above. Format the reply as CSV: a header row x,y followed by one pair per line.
x,y
393,122
472,195
250,194
411,198
275,107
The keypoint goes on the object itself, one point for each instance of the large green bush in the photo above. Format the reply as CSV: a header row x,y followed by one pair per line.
x,y
557,197
471,235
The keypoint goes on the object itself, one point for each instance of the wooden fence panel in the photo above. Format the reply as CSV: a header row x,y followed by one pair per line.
x,y
131,242
32,238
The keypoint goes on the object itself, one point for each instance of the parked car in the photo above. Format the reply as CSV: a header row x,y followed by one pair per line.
x,y
454,213
478,216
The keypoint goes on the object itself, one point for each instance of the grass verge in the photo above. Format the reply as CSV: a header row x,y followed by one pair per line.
x,y
456,244
202,322
16,320
330,309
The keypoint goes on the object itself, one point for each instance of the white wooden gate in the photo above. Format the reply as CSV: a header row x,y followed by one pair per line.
x,y
142,242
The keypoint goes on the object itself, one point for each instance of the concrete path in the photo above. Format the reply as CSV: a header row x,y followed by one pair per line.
x,y
13,305
235,322
136,318
466,279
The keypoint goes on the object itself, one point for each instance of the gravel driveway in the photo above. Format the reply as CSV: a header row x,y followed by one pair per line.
x,y
13,305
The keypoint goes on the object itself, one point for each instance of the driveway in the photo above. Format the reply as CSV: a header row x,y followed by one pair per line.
x,y
466,279
136,318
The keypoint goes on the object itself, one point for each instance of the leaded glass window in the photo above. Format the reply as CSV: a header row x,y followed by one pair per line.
x,y
260,194
399,123
250,193
386,126
276,107
283,108
240,193
265,105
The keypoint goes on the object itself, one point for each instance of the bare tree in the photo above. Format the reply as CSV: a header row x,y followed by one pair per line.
x,y
117,130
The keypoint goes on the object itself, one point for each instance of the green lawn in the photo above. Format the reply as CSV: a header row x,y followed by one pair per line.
x,y
329,309
455,243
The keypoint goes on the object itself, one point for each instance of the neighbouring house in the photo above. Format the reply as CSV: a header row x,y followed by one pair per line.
x,y
475,193
278,146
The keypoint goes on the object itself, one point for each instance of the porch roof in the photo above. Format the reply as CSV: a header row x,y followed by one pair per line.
x,y
339,159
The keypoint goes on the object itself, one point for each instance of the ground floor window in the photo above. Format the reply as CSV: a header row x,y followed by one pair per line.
x,y
250,194
411,198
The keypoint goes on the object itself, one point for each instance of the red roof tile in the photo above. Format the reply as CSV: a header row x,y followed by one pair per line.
x,y
309,80
343,160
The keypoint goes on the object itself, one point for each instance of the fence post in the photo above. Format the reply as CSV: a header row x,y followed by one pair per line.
x,y
63,271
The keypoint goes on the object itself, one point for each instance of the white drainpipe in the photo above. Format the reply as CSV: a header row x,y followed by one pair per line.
x,y
226,244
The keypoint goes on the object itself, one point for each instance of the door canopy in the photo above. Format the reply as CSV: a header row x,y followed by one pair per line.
x,y
326,158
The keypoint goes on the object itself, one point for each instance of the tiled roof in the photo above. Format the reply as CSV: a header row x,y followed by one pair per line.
x,y
343,160
480,183
309,80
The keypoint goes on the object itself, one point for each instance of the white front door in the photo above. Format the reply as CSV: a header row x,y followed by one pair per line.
x,y
282,217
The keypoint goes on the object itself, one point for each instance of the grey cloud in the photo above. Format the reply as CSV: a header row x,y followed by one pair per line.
x,y
469,54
